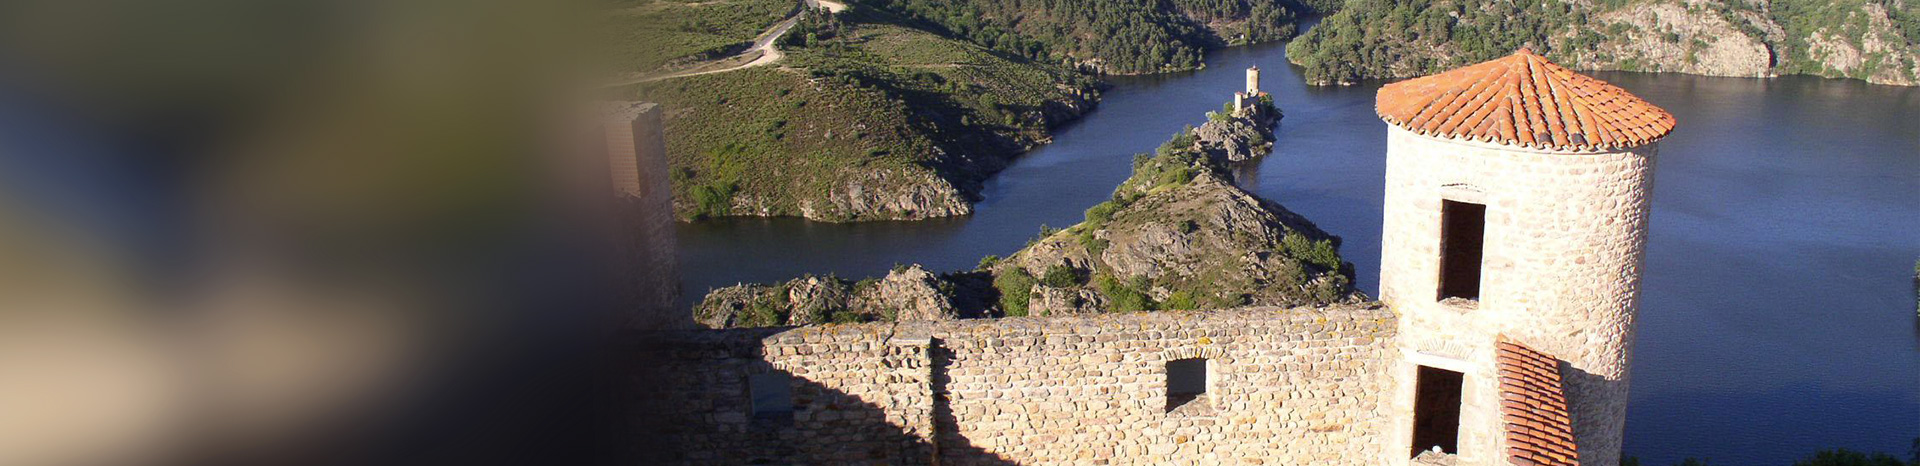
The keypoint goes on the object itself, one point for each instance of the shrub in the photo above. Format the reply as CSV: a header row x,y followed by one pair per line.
x,y
1015,287
847,317
1123,297
1094,245
1100,213
1189,226
1182,300
989,261
1062,275
714,199
765,311
1319,253
1179,176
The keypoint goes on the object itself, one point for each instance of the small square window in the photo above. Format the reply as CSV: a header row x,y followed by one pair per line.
x,y
1186,381
771,395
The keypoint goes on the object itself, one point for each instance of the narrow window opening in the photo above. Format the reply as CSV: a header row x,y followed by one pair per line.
x,y
1463,232
1436,411
771,395
1186,381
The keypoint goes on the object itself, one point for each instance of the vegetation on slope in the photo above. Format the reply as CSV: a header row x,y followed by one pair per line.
x,y
864,119
645,35
1176,235
1876,40
1111,36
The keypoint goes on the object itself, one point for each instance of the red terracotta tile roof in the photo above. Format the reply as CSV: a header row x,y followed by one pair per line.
x,y
1534,408
1525,100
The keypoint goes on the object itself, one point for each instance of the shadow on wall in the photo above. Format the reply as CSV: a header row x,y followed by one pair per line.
x,y
1597,406
719,402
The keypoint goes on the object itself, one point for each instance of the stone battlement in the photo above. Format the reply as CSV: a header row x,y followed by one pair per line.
x,y
1273,385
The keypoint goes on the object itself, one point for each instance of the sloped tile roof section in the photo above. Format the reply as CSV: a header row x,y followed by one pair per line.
x,y
1524,100
1534,408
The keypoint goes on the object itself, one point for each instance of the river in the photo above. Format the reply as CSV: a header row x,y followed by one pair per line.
x,y
1777,316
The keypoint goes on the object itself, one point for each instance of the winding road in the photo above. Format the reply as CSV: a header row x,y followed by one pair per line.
x,y
763,50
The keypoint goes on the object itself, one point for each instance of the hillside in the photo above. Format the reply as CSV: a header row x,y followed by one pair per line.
x,y
1873,40
1106,36
1176,235
863,119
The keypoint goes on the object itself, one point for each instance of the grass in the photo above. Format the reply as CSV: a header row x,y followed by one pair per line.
x,y
876,104
657,32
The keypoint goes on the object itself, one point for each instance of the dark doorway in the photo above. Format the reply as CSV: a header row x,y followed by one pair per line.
x,y
1436,411
1463,229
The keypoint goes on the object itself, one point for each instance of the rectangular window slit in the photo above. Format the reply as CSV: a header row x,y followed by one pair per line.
x,y
1463,228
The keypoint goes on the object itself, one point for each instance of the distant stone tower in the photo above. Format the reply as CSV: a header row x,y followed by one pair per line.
x,y
1515,227
1244,101
1253,80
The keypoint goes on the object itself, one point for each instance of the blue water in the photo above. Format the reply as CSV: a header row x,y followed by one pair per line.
x,y
1777,316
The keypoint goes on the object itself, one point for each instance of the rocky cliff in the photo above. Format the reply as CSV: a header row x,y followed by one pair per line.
x,y
1874,40
1176,235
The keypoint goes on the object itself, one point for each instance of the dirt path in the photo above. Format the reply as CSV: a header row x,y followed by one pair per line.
x,y
763,51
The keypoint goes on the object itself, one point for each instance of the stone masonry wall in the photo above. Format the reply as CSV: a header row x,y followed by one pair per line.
x,y
1565,236
1284,386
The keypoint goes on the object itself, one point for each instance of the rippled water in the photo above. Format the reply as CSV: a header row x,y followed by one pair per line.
x,y
1778,311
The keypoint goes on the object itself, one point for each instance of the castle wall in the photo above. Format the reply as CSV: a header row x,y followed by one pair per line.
x,y
1564,240
637,162
1285,386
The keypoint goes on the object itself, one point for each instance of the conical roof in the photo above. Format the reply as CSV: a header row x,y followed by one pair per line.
x,y
1524,100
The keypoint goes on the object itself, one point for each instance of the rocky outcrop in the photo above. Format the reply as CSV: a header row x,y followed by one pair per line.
x,y
888,195
1237,139
1051,301
910,293
906,294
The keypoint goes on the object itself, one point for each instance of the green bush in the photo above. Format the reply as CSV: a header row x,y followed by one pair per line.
x,y
766,310
1100,213
1094,245
1182,300
714,199
847,317
1062,275
988,262
1016,288
1175,177
1123,297
1319,253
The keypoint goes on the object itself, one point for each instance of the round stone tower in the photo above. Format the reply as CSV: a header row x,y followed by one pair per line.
x,y
1253,81
1515,213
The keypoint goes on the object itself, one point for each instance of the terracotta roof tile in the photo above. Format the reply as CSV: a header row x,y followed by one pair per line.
x,y
1534,408
1523,99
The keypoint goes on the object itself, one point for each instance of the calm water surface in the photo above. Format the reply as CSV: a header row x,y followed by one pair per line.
x,y
1778,311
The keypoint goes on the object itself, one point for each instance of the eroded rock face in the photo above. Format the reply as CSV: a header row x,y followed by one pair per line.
x,y
1235,139
813,300
906,294
729,306
1701,42
1050,301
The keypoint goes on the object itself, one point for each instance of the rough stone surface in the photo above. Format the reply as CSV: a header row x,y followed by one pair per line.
x,y
1235,139
1565,237
911,293
1285,386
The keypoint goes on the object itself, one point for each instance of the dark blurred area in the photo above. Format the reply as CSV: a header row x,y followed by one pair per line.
x,y
304,232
